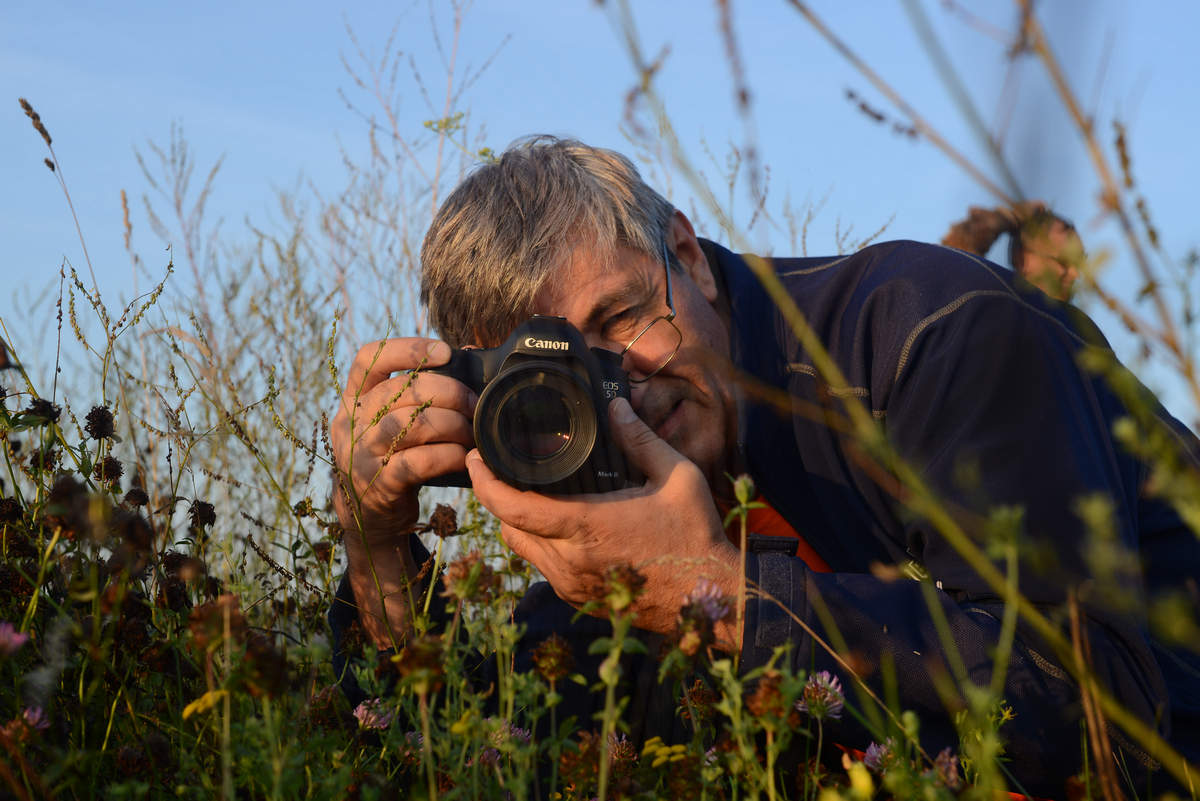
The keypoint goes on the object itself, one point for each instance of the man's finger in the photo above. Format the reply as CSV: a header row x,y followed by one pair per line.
x,y
644,449
376,361
433,424
529,511
528,547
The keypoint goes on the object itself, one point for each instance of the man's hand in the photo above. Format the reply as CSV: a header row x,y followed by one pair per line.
x,y
391,434
668,529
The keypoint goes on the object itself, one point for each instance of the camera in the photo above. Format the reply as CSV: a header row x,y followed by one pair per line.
x,y
541,422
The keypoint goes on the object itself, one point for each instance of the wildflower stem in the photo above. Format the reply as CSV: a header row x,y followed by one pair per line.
x,y
741,606
771,755
31,608
427,745
227,792
820,745
610,674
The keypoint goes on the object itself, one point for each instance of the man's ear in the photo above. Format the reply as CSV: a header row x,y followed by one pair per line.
x,y
682,240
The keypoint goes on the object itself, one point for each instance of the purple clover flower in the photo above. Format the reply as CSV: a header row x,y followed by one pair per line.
x,y
11,640
945,767
709,598
878,757
371,714
822,696
35,718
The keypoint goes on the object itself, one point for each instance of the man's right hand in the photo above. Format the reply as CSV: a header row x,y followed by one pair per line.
x,y
392,433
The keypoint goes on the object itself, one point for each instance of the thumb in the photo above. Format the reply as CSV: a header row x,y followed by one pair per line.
x,y
645,451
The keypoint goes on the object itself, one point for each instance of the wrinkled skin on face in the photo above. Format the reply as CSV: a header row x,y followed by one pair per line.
x,y
679,432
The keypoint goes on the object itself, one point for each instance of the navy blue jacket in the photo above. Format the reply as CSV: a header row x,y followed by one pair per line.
x,y
975,381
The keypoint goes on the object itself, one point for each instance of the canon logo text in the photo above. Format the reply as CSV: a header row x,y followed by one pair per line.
x,y
546,344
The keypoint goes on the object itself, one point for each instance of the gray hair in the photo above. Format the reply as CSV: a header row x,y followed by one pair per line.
x,y
511,224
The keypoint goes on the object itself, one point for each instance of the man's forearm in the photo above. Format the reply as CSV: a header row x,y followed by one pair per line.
x,y
382,578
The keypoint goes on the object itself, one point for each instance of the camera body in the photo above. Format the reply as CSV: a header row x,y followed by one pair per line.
x,y
541,422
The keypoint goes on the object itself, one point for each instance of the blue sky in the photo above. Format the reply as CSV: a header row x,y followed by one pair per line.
x,y
257,83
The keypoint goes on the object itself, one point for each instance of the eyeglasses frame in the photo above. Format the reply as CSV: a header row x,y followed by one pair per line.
x,y
669,317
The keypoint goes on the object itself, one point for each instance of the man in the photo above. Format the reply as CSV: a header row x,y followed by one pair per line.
x,y
974,383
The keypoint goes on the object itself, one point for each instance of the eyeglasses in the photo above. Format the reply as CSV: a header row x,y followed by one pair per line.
x,y
658,331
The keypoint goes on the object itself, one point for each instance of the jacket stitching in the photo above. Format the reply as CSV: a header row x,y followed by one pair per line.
x,y
811,270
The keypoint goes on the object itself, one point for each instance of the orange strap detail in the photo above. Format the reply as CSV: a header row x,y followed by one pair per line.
x,y
768,522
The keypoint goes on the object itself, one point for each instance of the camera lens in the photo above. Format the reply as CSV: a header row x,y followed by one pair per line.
x,y
535,422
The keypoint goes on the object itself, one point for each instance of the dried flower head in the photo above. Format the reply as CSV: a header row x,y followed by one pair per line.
x,y
136,496
207,622
323,550
420,664
265,666
99,423
327,708
444,521
44,459
622,586
553,659
766,702
303,508
201,514
133,530
372,714
469,578
42,410
108,470
67,507
132,761
10,510
698,702
13,584
11,639
182,566
822,696
578,766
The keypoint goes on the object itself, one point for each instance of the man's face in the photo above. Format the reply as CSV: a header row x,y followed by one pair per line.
x,y
689,403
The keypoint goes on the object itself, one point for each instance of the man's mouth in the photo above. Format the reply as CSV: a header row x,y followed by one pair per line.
x,y
666,423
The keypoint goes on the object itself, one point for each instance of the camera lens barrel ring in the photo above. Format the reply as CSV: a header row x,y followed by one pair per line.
x,y
535,424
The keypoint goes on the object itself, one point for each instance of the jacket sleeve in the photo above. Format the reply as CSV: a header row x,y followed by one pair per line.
x,y
990,406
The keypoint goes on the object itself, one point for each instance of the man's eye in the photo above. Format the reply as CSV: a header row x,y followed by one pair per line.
x,y
621,323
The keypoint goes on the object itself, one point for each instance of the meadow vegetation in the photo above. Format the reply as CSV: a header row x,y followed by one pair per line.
x,y
168,553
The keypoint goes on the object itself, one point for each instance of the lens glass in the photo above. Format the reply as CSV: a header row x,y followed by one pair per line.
x,y
535,422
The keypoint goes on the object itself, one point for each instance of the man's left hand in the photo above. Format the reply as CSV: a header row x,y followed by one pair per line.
x,y
668,529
